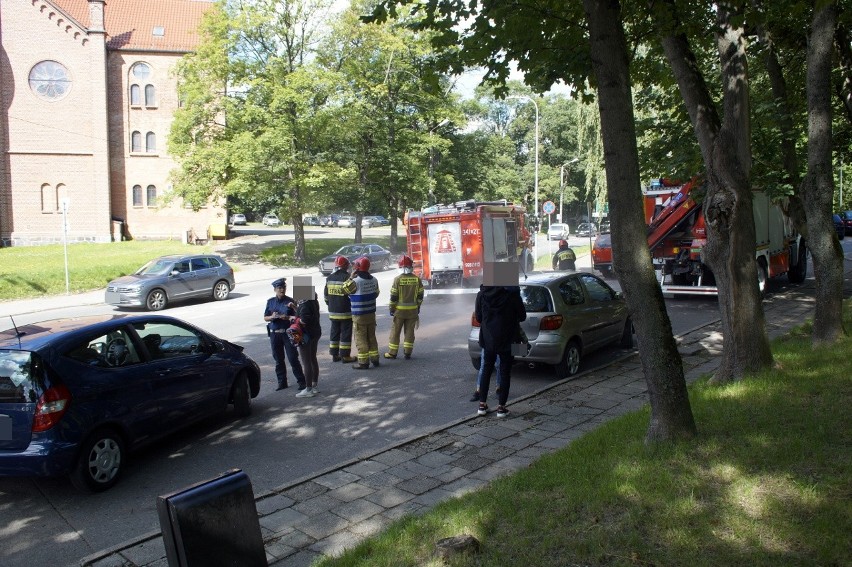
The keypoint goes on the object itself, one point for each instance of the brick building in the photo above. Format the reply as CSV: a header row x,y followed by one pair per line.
x,y
87,96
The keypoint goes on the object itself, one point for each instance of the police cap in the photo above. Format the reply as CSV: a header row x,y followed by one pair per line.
x,y
280,282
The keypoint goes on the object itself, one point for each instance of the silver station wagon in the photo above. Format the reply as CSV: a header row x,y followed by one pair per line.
x,y
172,278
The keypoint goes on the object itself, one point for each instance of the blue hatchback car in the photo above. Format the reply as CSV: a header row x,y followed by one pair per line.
x,y
77,394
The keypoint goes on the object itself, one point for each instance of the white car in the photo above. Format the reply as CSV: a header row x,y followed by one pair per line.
x,y
238,219
271,219
557,231
346,221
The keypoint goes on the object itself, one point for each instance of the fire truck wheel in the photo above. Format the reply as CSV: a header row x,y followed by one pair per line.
x,y
477,362
570,361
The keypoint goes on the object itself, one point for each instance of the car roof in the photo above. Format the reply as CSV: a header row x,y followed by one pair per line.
x,y
544,278
35,336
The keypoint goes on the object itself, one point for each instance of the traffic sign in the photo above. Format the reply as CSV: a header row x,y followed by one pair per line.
x,y
548,207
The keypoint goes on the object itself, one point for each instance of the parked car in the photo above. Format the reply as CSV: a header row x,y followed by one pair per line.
x,y
380,258
846,216
602,254
238,219
604,227
311,221
557,231
172,278
839,226
374,220
76,395
587,229
568,316
329,220
346,221
271,219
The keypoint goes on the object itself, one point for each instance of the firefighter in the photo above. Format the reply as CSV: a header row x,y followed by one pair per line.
x,y
405,300
339,312
363,290
564,258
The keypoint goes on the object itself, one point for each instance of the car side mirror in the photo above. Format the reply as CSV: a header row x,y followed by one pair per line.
x,y
174,273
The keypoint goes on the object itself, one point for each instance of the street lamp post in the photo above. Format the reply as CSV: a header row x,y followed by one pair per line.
x,y
562,185
532,100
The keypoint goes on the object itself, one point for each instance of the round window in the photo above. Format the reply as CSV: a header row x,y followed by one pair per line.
x,y
50,80
141,71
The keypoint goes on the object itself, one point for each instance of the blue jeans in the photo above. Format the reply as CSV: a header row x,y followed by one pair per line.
x,y
489,361
282,348
481,365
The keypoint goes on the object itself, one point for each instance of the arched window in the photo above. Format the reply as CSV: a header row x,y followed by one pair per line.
x,y
135,95
150,143
150,99
152,196
49,203
136,141
141,71
137,195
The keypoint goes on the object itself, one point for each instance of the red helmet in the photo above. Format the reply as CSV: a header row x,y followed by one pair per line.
x,y
341,262
362,264
406,262
563,243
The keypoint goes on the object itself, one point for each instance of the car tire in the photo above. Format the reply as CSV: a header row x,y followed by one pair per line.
x,y
156,300
477,362
762,278
99,464
221,290
386,264
627,334
241,396
570,363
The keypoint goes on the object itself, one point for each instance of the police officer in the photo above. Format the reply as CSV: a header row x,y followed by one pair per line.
x,y
405,300
339,312
278,316
564,258
363,289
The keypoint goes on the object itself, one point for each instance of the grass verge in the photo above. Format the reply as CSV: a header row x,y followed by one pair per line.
x,y
766,482
318,248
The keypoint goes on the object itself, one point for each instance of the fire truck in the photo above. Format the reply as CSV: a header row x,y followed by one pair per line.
x,y
677,235
450,243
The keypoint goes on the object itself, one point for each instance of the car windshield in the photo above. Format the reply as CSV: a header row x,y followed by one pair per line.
x,y
557,227
347,250
156,267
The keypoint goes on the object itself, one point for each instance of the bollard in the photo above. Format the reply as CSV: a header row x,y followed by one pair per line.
x,y
212,523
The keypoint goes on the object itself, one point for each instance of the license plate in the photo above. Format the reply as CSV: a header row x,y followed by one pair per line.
x,y
113,297
5,428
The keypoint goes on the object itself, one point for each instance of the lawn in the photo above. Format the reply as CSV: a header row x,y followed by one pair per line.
x,y
318,248
767,482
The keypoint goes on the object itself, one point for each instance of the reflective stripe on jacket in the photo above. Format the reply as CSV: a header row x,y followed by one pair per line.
x,y
363,289
406,293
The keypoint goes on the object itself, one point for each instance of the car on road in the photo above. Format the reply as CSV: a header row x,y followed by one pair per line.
x,y
602,254
374,220
311,221
587,229
271,219
839,226
846,216
172,278
329,220
76,395
346,221
380,257
557,231
238,219
568,316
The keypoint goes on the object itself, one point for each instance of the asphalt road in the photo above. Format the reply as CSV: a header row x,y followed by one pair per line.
x,y
286,438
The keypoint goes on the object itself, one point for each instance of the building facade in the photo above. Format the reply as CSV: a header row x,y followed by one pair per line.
x,y
87,96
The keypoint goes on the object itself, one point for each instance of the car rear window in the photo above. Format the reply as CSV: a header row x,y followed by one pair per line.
x,y
536,298
21,378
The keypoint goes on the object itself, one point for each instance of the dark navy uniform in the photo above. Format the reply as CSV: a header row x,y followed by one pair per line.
x,y
278,316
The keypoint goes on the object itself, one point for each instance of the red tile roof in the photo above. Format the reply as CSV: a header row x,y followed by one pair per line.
x,y
130,24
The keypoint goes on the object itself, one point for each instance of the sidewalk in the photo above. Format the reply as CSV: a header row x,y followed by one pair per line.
x,y
335,509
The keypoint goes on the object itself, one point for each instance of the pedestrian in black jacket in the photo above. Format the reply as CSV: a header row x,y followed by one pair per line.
x,y
499,310
308,312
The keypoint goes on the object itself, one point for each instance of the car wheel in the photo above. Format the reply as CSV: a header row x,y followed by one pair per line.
x,y
627,334
221,290
241,396
99,464
386,264
570,361
477,362
156,300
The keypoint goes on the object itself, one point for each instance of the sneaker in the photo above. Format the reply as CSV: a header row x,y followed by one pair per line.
x,y
483,409
315,390
390,356
475,397
502,411
304,393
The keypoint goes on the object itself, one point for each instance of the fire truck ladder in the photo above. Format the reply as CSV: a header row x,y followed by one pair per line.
x,y
680,207
415,243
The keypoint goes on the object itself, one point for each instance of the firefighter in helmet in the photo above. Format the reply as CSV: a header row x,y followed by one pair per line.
x,y
363,290
405,300
339,312
564,258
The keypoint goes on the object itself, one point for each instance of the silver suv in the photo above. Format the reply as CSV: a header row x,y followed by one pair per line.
x,y
568,315
172,278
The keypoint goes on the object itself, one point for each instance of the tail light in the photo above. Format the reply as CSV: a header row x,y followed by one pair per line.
x,y
473,320
550,323
51,407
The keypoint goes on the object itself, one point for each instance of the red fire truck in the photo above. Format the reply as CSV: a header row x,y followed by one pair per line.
x,y
450,243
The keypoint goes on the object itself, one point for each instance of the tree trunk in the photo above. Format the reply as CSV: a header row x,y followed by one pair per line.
x,y
671,414
818,186
730,249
